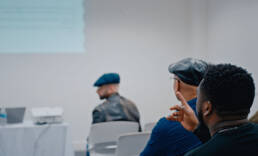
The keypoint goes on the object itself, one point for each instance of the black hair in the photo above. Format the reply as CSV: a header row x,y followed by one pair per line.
x,y
229,88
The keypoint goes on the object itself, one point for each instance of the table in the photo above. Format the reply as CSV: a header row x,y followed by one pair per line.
x,y
27,139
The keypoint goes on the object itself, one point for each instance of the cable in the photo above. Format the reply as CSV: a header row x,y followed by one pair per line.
x,y
37,140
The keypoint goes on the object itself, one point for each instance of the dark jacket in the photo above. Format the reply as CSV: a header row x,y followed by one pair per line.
x,y
170,138
116,108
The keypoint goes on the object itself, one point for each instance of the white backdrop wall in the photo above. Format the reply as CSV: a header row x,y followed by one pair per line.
x,y
136,38
233,34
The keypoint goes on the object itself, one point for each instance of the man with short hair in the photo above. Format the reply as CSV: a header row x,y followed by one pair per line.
x,y
169,138
116,107
225,96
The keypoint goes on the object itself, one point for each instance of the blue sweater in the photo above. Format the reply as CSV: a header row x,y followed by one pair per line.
x,y
169,138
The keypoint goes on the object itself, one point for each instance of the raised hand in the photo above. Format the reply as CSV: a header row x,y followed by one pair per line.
x,y
184,114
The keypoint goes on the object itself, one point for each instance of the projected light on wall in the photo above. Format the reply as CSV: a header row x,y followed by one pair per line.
x,y
41,26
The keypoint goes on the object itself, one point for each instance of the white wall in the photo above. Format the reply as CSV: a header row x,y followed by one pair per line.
x,y
233,34
136,38
199,28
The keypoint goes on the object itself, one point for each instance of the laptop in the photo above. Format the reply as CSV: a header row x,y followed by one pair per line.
x,y
15,115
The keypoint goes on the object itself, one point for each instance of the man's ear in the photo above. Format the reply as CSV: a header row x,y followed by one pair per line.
x,y
207,108
177,86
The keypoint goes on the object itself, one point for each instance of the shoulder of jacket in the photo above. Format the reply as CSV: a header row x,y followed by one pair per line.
x,y
101,106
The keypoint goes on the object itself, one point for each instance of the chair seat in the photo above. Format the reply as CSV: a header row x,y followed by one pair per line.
x,y
132,144
104,136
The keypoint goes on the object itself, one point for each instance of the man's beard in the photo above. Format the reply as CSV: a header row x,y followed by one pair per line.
x,y
201,121
203,128
102,97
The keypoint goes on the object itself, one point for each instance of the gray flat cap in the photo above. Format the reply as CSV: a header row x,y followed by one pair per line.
x,y
189,70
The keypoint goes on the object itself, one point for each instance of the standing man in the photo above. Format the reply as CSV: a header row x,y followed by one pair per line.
x,y
115,107
169,138
225,96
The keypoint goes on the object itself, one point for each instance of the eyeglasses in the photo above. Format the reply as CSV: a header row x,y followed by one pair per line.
x,y
174,78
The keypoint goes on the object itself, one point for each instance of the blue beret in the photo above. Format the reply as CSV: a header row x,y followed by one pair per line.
x,y
109,78
189,70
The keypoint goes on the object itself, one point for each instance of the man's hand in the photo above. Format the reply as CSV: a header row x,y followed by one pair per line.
x,y
184,114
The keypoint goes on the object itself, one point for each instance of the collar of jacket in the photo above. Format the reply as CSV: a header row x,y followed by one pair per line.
x,y
113,96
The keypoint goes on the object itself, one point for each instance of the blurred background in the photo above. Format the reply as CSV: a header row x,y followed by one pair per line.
x,y
136,38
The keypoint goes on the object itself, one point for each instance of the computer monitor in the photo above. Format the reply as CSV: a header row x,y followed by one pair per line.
x,y
15,115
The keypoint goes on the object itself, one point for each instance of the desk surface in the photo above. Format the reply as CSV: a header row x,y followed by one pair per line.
x,y
30,124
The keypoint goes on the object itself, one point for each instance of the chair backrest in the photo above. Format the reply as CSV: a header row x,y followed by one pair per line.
x,y
110,131
132,144
149,126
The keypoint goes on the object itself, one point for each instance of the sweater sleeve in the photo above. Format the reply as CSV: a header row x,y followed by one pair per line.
x,y
155,143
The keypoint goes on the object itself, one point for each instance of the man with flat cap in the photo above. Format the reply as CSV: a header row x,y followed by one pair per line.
x,y
170,138
115,107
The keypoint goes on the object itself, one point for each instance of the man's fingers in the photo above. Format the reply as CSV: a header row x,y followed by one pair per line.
x,y
177,113
176,116
176,107
173,118
181,98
